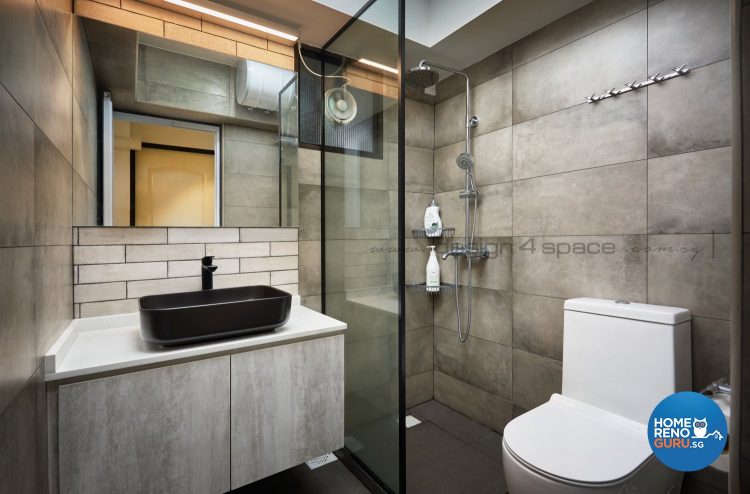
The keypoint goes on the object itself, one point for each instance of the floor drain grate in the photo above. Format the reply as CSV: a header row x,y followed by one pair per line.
x,y
411,421
319,461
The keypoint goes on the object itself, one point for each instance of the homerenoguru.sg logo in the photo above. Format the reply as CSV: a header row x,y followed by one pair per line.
x,y
687,431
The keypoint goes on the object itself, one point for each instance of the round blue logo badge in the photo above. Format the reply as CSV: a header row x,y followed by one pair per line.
x,y
687,431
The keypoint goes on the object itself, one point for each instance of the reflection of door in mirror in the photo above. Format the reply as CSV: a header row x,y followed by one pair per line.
x,y
165,172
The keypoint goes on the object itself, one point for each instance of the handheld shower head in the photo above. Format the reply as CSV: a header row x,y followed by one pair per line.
x,y
465,161
422,76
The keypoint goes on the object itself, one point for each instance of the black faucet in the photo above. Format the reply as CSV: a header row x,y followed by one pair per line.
x,y
207,272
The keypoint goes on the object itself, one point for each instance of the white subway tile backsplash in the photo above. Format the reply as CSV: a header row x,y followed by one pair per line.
x,y
268,234
233,280
260,249
203,235
178,269
284,248
179,252
256,264
113,267
284,277
121,236
143,288
98,254
99,273
98,292
112,307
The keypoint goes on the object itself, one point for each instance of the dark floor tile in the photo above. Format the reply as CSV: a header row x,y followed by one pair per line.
x,y
491,445
333,478
472,471
460,426
430,410
428,481
426,444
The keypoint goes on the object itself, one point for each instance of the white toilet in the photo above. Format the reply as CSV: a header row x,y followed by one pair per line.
x,y
619,361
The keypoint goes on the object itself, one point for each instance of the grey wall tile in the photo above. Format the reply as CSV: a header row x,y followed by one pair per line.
x,y
84,147
53,292
535,378
17,330
18,25
284,277
538,325
710,351
420,124
51,84
115,236
84,203
250,215
53,189
691,271
58,21
17,186
96,309
309,212
492,315
493,156
250,190
537,268
486,408
691,192
251,158
419,350
284,248
308,166
573,26
690,113
418,389
493,272
552,143
142,288
84,82
450,121
492,102
448,176
19,438
488,68
563,77
242,279
418,310
481,363
672,28
418,164
310,267
602,201
180,269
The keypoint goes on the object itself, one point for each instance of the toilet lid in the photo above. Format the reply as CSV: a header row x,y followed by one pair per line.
x,y
576,442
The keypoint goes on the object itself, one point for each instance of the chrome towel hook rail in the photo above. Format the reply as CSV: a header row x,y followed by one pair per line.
x,y
632,86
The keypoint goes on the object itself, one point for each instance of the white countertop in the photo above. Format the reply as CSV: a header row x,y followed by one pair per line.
x,y
101,344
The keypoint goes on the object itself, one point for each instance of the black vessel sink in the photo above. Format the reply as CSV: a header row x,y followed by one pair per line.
x,y
190,317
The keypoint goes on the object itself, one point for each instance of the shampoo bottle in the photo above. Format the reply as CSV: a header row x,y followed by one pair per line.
x,y
433,226
432,273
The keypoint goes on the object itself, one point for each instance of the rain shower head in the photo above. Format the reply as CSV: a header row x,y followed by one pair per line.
x,y
465,161
422,76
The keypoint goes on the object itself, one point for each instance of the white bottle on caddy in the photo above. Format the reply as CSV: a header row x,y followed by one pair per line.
x,y
432,272
433,225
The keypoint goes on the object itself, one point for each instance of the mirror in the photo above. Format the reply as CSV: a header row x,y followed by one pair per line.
x,y
192,137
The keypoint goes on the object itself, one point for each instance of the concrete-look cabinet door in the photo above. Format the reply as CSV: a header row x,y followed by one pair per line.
x,y
287,406
163,430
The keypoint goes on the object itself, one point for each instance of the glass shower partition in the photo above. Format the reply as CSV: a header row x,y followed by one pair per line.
x,y
288,154
362,234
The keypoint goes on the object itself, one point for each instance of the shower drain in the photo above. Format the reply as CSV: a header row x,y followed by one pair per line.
x,y
319,461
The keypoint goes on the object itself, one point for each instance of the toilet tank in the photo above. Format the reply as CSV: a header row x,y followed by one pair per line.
x,y
625,357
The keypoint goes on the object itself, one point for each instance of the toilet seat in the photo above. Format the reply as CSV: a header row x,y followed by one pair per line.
x,y
576,443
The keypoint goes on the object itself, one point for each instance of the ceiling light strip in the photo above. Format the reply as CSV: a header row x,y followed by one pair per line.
x,y
233,19
378,65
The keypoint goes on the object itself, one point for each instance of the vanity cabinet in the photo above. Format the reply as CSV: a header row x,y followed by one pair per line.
x,y
163,430
191,427
287,406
